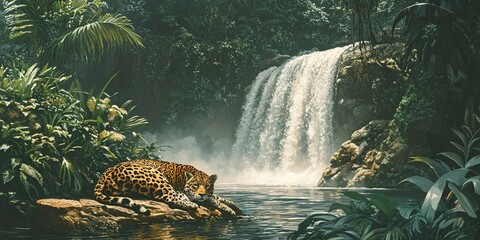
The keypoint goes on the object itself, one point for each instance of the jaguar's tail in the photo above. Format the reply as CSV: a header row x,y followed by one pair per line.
x,y
117,200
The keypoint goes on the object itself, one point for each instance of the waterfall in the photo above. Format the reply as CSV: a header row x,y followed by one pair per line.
x,y
285,131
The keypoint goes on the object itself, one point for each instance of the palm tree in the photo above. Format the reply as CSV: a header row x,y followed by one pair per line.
x,y
61,31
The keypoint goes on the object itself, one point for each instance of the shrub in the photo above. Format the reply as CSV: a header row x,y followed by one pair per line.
x,y
55,143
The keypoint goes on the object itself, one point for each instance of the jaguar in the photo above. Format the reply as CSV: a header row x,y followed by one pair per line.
x,y
178,185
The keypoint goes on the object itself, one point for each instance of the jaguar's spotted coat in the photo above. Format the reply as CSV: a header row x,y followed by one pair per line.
x,y
178,185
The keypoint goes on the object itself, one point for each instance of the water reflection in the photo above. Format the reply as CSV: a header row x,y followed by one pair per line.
x,y
272,213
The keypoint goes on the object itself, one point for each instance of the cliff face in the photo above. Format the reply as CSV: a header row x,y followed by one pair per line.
x,y
87,214
368,89
369,86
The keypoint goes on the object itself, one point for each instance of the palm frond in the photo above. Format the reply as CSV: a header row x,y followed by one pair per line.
x,y
90,40
17,22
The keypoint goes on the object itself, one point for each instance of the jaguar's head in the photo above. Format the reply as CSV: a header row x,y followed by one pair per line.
x,y
199,186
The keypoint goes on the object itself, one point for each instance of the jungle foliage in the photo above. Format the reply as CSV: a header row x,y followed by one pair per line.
x,y
56,139
199,56
450,210
60,32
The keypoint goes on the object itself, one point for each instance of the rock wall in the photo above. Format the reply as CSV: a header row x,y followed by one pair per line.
x,y
369,86
368,89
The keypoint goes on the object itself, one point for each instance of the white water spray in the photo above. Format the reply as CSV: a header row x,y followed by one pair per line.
x,y
285,133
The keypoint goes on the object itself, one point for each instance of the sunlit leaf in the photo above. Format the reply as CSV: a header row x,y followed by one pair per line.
x,y
15,162
475,181
7,176
434,195
32,172
473,162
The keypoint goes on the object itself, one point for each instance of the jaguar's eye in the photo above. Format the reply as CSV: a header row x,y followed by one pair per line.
x,y
207,186
195,185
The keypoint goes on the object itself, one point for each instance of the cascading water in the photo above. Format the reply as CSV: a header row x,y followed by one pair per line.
x,y
285,133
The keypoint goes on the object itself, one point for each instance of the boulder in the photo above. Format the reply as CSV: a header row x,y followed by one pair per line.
x,y
87,214
368,159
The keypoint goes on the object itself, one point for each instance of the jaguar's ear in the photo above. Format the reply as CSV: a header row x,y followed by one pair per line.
x,y
213,178
188,175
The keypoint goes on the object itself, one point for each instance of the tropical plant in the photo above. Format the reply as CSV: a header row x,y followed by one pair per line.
x,y
56,31
439,32
450,209
376,217
55,144
457,177
443,35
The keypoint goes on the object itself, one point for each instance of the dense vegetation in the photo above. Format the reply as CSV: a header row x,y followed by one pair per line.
x,y
199,56
56,139
450,209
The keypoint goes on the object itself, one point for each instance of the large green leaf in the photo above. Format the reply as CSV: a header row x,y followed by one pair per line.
x,y
32,172
385,204
407,211
421,182
474,161
475,181
434,195
459,147
461,136
356,196
437,166
315,218
338,206
17,22
466,202
455,158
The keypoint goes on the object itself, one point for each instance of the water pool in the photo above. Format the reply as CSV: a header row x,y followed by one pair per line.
x,y
272,213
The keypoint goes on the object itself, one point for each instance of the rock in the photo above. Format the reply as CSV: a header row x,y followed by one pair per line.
x,y
368,159
366,88
87,214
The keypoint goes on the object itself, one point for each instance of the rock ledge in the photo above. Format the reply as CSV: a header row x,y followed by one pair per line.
x,y
87,214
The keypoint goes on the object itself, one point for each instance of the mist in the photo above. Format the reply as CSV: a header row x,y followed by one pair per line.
x,y
213,156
